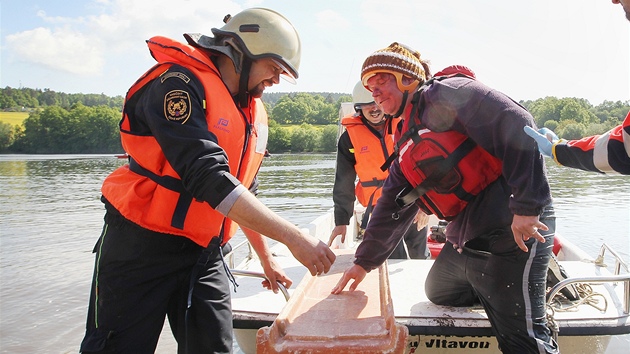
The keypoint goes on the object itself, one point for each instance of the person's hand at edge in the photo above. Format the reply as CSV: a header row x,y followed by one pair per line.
x,y
338,230
526,227
355,272
274,274
544,137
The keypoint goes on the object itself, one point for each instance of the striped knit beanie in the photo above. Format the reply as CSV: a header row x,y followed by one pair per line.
x,y
397,59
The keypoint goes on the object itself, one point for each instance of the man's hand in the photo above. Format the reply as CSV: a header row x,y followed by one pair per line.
x,y
355,272
545,138
312,253
275,274
338,230
251,214
526,227
421,220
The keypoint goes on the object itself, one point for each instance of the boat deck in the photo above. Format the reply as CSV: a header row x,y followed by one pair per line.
x,y
254,309
414,310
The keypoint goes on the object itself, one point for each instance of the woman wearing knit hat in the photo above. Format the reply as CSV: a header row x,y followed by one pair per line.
x,y
463,157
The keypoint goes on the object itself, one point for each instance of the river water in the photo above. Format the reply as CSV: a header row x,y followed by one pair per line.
x,y
51,216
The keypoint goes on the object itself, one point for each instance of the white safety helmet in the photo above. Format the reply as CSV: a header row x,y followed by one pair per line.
x,y
264,33
361,96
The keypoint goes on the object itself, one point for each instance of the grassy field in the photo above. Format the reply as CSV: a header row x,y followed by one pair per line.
x,y
13,118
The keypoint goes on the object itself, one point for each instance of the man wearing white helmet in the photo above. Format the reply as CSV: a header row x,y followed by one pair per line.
x,y
195,130
362,149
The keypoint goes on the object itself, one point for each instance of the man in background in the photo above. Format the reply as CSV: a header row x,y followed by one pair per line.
x,y
362,150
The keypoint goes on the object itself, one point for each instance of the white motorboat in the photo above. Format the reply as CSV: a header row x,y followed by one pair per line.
x,y
584,326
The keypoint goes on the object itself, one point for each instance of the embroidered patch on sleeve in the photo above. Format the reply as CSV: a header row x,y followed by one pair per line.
x,y
176,74
177,106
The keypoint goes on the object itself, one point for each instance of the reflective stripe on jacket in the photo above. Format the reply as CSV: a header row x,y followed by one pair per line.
x,y
608,152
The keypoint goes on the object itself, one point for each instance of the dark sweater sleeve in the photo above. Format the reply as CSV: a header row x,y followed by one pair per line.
x,y
388,223
345,176
576,157
607,153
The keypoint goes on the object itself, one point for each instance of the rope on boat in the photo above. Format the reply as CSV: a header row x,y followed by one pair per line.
x,y
561,304
587,297
551,323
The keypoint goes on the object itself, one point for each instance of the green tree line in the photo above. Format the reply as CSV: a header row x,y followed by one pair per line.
x,y
61,123
56,130
27,99
573,118
299,122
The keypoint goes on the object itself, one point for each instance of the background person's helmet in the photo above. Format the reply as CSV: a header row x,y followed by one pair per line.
x,y
361,96
263,33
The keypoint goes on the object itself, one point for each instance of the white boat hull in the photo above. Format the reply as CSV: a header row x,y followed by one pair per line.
x,y
442,329
417,344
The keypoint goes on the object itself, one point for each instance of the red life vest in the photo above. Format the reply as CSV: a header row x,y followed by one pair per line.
x,y
370,152
447,169
150,193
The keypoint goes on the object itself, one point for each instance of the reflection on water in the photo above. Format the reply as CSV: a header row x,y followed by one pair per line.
x,y
51,215
592,208
297,187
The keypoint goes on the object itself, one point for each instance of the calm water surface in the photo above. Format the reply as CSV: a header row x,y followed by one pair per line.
x,y
51,216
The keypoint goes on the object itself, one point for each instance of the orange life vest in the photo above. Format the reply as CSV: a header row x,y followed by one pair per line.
x,y
447,169
370,152
150,193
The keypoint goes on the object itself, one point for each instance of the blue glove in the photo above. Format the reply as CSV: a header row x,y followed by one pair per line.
x,y
545,138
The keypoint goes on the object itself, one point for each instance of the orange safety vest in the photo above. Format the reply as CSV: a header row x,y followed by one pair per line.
x,y
370,152
150,192
447,169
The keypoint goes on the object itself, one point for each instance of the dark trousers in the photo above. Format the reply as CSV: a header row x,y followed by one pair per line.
x,y
509,283
416,242
140,277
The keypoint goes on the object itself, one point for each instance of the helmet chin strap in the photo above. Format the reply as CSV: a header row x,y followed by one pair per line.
x,y
243,95
242,65
401,109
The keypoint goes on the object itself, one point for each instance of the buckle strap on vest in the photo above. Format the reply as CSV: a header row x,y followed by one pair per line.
x,y
171,183
370,206
378,183
413,128
372,183
406,196
390,159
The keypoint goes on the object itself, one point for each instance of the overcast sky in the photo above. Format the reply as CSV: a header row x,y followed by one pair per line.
x,y
527,49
